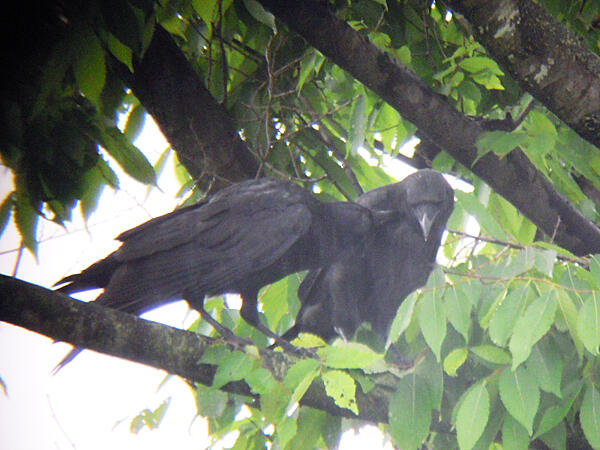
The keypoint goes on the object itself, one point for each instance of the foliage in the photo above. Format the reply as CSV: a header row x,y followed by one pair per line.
x,y
505,338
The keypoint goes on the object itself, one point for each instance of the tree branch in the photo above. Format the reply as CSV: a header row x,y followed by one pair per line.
x,y
126,336
513,177
199,129
547,59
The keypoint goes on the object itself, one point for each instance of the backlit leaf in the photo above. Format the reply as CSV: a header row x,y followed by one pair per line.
x,y
341,387
588,323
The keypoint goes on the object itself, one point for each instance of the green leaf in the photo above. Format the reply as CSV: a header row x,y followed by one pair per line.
x,y
454,360
349,355
499,142
555,414
280,298
476,64
410,412
120,51
299,378
492,354
89,67
286,430
206,9
546,365
402,319
505,316
432,320
259,13
514,436
233,366
149,418
358,125
260,380
128,156
341,387
588,323
5,210
590,415
531,326
210,402
458,309
568,312
544,261
135,123
472,415
26,219
520,395
474,207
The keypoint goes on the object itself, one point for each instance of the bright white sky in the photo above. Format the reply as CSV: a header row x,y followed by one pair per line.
x,y
90,403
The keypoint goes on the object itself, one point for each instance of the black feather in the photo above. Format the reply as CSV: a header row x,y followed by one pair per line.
x,y
369,284
244,237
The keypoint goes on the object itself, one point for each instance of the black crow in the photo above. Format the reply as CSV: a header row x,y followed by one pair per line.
x,y
368,284
242,238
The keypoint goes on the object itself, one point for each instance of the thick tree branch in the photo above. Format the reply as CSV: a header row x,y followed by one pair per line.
x,y
514,177
126,336
198,128
547,59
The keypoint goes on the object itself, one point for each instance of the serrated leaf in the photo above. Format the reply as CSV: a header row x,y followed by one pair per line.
x,y
588,323
232,366
349,355
454,360
402,319
520,395
120,51
546,365
505,316
492,354
432,320
472,416
341,387
26,219
514,436
410,412
590,415
458,309
531,326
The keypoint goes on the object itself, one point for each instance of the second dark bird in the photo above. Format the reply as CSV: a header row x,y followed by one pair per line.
x,y
369,284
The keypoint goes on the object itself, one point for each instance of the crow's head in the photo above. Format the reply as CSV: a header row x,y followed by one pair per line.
x,y
429,199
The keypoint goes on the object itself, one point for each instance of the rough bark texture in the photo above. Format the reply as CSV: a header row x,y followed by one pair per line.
x,y
546,58
177,351
198,128
514,177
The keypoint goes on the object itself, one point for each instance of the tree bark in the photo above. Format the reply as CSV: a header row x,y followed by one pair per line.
x,y
513,177
199,129
547,59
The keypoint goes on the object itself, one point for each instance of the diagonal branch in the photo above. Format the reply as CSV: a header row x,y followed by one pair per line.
x,y
514,177
126,336
546,58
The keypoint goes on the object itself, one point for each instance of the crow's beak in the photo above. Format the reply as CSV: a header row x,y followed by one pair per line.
x,y
425,214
